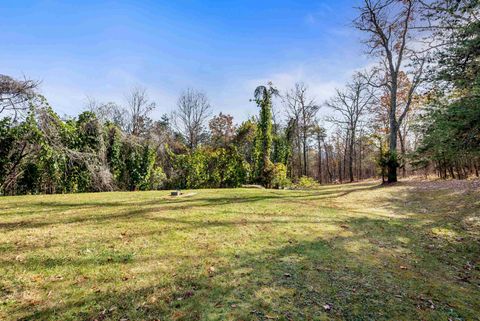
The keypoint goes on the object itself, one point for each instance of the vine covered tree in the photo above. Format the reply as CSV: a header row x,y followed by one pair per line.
x,y
263,97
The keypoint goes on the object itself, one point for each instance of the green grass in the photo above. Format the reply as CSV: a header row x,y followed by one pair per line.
x,y
368,252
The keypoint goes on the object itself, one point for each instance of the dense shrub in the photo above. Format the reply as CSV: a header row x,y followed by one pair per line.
x,y
206,167
306,182
158,179
279,176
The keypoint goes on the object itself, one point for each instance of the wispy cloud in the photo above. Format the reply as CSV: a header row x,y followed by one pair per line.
x,y
323,11
321,85
224,52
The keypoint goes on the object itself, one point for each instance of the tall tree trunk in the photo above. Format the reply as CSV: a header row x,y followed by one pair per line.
x,y
300,164
401,136
350,160
383,167
341,166
320,179
327,165
360,176
392,162
345,152
305,153
452,174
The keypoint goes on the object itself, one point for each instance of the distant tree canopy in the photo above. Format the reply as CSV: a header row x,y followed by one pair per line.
x,y
417,110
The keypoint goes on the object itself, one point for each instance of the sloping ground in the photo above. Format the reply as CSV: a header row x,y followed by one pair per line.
x,y
359,252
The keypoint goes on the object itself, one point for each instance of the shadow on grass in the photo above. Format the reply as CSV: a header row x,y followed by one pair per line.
x,y
385,268
292,282
88,209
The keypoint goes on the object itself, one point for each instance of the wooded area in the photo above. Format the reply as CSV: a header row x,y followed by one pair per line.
x,y
416,111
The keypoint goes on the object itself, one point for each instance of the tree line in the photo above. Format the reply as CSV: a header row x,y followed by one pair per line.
x,y
416,111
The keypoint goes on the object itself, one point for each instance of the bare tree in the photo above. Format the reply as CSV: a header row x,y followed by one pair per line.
x,y
320,135
108,112
193,109
390,25
15,95
139,109
350,104
303,110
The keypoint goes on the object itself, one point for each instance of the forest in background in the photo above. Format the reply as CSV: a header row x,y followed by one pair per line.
x,y
415,111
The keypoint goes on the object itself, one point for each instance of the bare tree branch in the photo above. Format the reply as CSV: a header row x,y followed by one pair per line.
x,y
193,109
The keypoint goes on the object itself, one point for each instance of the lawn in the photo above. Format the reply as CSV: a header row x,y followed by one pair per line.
x,y
349,252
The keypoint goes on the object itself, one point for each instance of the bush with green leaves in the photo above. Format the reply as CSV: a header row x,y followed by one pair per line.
x,y
206,167
279,176
157,179
306,182
137,166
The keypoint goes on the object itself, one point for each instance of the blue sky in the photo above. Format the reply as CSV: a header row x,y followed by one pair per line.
x,y
102,49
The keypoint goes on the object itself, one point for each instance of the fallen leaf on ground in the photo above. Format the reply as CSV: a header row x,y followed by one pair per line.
x,y
211,270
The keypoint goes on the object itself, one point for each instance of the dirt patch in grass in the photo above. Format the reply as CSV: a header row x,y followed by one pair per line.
x,y
439,184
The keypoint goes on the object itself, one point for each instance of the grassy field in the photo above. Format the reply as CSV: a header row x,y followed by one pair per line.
x,y
350,252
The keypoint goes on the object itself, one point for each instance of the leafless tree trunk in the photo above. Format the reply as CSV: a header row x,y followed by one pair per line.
x,y
320,136
360,173
403,152
320,174
327,162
